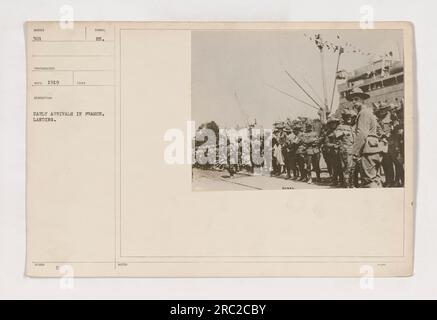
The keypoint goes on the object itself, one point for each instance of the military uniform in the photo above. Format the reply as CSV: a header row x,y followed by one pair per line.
x,y
356,166
325,149
386,127
300,154
331,146
398,144
344,134
278,156
366,147
232,165
283,140
291,147
312,156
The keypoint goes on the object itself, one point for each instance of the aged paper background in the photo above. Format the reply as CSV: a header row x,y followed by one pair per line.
x,y
101,199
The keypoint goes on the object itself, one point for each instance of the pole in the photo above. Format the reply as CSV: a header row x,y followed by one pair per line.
x,y
322,61
297,83
312,90
289,95
319,43
335,80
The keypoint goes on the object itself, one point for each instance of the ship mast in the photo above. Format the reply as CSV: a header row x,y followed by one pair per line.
x,y
319,43
340,51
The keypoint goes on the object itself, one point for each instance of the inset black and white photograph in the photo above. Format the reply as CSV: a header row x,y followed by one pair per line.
x,y
297,109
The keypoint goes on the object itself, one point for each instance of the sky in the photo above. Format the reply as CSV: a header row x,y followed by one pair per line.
x,y
232,70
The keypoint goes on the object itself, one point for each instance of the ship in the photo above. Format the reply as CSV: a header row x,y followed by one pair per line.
x,y
382,79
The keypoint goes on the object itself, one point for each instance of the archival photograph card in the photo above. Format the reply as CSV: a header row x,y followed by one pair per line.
x,y
220,149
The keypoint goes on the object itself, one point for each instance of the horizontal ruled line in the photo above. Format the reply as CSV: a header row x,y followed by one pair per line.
x,y
62,262
73,85
72,41
71,55
58,70
206,262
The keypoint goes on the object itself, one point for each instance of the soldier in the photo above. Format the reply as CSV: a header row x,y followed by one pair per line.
x,y
277,151
300,152
231,165
366,149
398,143
325,149
312,158
293,141
287,150
386,127
345,136
274,160
356,167
331,149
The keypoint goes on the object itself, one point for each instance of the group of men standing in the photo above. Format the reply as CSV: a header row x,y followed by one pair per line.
x,y
356,148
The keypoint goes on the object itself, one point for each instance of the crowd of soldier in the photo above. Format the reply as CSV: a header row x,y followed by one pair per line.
x,y
358,148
